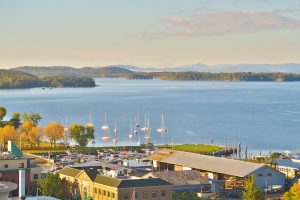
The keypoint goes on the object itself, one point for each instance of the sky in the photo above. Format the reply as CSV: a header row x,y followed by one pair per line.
x,y
148,33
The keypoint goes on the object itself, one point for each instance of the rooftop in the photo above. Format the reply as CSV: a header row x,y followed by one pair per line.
x,y
114,182
185,177
7,186
208,163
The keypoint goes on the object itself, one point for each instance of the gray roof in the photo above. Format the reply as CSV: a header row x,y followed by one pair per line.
x,y
207,163
179,178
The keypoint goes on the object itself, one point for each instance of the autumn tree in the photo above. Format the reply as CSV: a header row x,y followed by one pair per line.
x,y
2,113
82,135
25,129
54,132
293,193
35,135
32,117
8,133
251,191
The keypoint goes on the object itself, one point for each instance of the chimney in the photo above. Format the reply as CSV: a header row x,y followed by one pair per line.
x,y
22,183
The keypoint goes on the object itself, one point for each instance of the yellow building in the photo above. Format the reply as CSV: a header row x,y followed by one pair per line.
x,y
100,187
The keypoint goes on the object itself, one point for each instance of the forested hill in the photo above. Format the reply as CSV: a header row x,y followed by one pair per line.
x,y
15,79
95,72
121,71
205,76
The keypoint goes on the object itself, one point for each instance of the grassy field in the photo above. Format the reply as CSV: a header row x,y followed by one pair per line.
x,y
195,148
83,150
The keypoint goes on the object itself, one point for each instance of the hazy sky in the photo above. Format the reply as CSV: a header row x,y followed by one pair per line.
x,y
148,32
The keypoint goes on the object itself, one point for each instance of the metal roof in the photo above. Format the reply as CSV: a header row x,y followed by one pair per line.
x,y
207,163
179,178
68,171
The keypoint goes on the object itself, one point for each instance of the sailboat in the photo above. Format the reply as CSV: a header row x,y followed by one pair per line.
x,y
162,129
90,124
137,121
66,125
105,128
131,131
147,133
135,131
146,127
115,140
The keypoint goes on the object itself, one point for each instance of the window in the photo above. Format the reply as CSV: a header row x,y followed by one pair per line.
x,y
85,192
145,195
163,193
153,194
136,195
95,190
113,195
21,165
104,192
35,176
269,174
126,195
260,175
108,193
99,191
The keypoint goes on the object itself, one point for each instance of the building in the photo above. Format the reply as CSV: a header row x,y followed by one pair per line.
x,y
92,183
290,167
233,172
10,164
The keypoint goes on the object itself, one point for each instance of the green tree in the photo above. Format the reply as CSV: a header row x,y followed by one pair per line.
x,y
81,134
251,191
15,120
2,113
32,117
53,186
293,193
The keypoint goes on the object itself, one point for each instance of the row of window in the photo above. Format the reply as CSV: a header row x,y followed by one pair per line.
x,y
268,174
105,193
21,165
154,194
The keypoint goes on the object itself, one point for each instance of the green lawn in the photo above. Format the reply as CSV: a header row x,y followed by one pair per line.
x,y
82,150
196,148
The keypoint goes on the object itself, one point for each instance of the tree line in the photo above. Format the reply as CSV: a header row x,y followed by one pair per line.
x,y
206,76
25,129
14,79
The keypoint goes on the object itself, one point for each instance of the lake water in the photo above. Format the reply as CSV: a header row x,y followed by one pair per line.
x,y
262,115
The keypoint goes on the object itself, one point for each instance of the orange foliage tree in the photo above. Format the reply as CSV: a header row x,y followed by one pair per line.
x,y
8,133
293,193
26,128
54,132
35,135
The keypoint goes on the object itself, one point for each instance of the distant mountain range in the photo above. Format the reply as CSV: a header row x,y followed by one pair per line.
x,y
226,68
121,70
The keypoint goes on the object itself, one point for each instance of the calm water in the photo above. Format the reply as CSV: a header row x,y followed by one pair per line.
x,y
263,116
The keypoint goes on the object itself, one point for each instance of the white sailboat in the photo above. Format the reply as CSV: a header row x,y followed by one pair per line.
x,y
90,124
146,127
115,140
105,128
163,128
131,131
147,133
